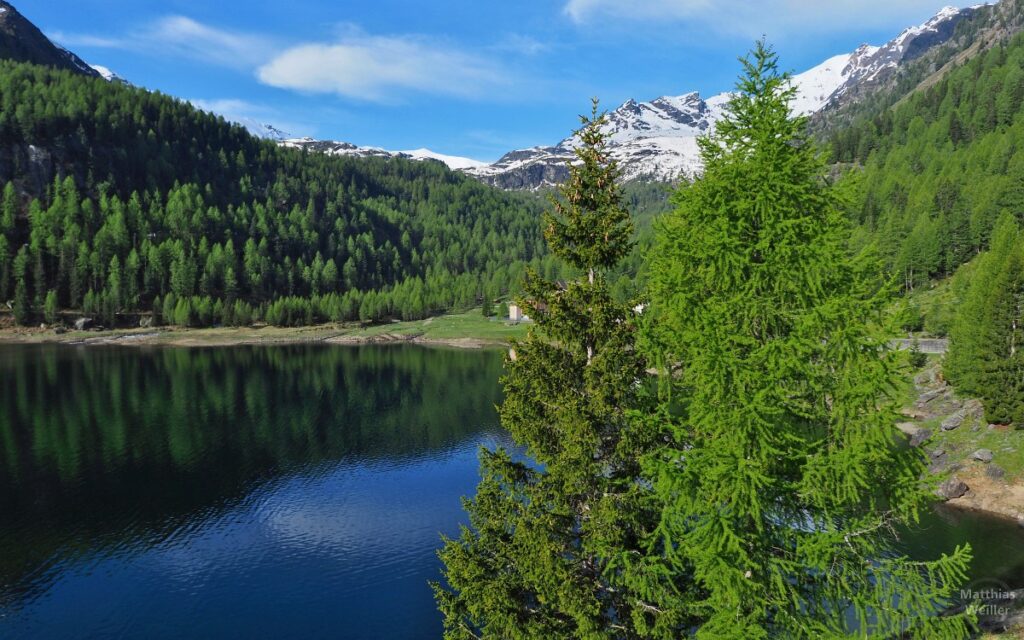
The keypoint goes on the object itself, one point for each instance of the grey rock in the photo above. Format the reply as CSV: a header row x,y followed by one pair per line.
x,y
59,330
995,472
928,396
982,455
952,488
939,464
920,437
84,323
925,377
146,321
974,409
937,453
953,421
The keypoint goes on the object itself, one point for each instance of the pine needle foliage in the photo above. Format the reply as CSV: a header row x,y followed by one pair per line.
x,y
783,480
538,559
986,354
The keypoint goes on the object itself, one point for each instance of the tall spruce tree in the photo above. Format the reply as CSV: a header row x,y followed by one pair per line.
x,y
783,477
538,560
972,332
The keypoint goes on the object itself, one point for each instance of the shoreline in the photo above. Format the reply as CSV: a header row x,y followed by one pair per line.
x,y
972,465
241,336
931,403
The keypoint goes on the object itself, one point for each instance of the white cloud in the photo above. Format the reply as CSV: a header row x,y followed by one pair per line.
x,y
84,40
351,63
383,69
188,38
183,37
757,17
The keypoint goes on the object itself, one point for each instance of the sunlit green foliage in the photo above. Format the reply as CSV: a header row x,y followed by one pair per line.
x,y
783,474
150,197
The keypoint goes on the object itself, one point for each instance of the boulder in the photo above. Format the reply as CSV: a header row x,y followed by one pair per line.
x,y
952,488
84,323
920,437
925,377
995,472
928,396
939,464
146,322
59,330
953,421
982,455
974,409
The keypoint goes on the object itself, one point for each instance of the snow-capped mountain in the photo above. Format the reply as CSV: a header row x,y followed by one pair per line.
x,y
453,162
657,140
338,148
263,129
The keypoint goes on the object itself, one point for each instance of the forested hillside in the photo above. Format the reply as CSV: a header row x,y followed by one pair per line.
x,y
118,199
940,167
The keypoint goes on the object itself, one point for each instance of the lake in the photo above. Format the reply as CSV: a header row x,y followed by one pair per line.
x,y
262,492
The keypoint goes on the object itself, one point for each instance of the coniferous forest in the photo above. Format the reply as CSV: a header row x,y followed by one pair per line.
x,y
716,421
121,200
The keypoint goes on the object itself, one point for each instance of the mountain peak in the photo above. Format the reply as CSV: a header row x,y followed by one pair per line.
x,y
658,139
22,41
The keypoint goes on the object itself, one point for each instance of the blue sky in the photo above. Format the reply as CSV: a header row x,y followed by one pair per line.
x,y
465,77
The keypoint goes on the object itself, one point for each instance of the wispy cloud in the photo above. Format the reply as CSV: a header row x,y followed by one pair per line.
x,y
184,37
350,63
518,43
192,39
251,115
384,68
84,40
754,17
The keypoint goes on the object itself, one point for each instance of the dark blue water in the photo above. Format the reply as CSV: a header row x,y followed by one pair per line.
x,y
273,492
244,492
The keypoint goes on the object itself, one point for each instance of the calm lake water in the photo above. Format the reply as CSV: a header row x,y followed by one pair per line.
x,y
261,492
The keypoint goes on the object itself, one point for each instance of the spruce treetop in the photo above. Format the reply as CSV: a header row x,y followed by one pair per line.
x,y
590,228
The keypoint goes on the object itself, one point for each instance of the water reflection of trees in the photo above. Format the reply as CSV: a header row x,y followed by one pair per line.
x,y
99,446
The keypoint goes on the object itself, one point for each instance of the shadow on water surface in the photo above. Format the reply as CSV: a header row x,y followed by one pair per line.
x,y
309,468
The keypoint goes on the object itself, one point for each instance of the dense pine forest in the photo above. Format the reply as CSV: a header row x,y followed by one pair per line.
x,y
124,200
940,167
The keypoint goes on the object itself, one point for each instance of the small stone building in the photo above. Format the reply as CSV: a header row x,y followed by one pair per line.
x,y
515,314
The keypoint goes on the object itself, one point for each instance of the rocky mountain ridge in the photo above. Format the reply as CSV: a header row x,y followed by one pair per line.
x,y
657,140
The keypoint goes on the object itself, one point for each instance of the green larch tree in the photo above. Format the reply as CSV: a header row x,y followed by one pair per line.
x,y
783,478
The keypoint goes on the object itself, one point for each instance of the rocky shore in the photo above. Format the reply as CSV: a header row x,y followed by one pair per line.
x,y
972,464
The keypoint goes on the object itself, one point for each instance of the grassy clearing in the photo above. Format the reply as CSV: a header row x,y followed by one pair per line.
x,y
466,329
469,325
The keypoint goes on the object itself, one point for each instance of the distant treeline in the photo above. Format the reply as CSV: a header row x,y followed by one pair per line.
x,y
118,200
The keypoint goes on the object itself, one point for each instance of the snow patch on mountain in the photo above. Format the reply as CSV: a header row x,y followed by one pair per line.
x,y
262,129
453,162
339,148
107,74
657,140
